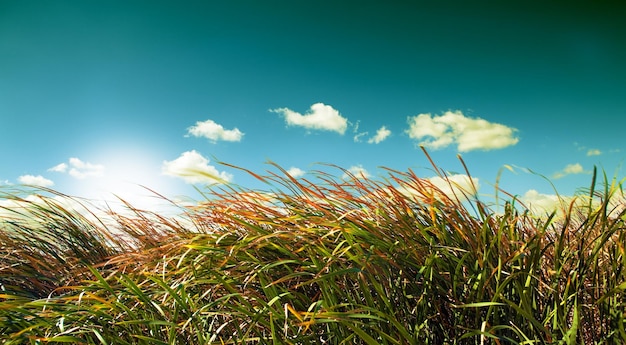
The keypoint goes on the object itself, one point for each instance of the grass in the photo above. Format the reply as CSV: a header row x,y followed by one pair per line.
x,y
338,261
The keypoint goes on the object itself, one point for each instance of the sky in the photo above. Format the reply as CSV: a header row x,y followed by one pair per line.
x,y
99,98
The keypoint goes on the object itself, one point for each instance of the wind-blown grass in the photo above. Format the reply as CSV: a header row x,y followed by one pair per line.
x,y
335,261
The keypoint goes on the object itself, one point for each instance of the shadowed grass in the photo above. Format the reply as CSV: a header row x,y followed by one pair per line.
x,y
330,261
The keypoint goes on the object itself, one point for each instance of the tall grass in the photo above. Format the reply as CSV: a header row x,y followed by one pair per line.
x,y
324,261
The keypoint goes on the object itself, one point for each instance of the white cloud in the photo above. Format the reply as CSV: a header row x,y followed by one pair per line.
x,y
590,151
381,134
460,185
573,169
192,167
357,137
357,171
35,180
59,168
80,169
454,128
570,169
214,132
296,172
455,187
593,152
320,117
539,203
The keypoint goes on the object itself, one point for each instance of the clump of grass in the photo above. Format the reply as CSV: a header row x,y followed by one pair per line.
x,y
331,261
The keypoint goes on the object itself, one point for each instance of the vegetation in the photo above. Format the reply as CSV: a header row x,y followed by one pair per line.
x,y
338,261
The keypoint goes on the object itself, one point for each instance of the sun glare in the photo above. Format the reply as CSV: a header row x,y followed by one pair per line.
x,y
133,175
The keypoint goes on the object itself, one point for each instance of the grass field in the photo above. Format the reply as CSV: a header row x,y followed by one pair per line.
x,y
334,261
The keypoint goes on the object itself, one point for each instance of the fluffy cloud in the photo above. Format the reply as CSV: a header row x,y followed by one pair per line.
x,y
214,132
79,169
192,167
543,204
593,152
459,185
381,134
357,171
454,128
35,180
570,169
539,203
320,117
573,169
295,172
589,151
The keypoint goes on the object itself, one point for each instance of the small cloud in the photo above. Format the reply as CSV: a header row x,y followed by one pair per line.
x,y
214,132
59,168
296,172
35,180
319,117
570,169
192,167
455,128
357,137
573,169
357,171
80,169
593,152
381,134
590,151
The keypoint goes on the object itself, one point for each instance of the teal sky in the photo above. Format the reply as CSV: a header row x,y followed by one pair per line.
x,y
99,96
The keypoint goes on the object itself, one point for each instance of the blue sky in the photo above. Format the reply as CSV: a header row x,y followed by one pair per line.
x,y
99,96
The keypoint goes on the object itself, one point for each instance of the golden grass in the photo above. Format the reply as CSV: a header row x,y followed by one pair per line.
x,y
335,261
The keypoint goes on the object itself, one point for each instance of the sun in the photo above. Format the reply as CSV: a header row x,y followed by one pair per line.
x,y
132,174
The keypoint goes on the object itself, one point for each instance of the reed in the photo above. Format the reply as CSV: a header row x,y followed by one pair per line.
x,y
325,260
